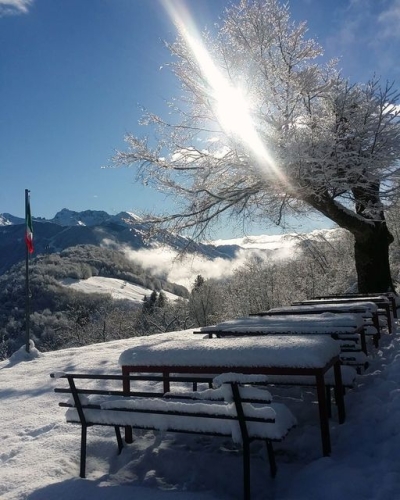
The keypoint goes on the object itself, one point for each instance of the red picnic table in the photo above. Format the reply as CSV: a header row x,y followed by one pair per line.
x,y
308,355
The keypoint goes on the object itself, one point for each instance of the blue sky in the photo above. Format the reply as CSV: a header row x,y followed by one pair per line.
x,y
73,72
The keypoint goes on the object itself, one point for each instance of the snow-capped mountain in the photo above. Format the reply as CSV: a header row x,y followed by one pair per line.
x,y
289,242
8,220
93,218
66,217
90,227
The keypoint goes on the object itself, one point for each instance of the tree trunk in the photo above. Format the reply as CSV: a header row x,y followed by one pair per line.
x,y
371,252
372,238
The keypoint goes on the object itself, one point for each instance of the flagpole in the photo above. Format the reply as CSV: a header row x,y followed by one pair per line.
x,y
27,294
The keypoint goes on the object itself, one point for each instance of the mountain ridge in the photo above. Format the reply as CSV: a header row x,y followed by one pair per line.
x,y
90,227
66,217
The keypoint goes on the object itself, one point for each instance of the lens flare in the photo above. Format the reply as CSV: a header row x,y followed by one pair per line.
x,y
231,107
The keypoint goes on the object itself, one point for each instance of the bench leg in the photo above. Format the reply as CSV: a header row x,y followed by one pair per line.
x,y
119,439
328,400
82,473
271,458
246,469
128,434
339,394
323,414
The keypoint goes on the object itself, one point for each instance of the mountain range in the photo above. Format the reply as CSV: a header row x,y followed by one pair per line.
x,y
90,227
128,231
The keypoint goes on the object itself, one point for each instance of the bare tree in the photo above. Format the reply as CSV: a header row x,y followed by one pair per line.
x,y
264,130
205,302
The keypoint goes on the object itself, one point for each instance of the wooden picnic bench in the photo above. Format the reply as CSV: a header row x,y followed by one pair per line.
x,y
243,412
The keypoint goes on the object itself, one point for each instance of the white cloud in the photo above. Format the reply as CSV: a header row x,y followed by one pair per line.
x,y
366,38
181,270
184,269
10,7
166,262
389,20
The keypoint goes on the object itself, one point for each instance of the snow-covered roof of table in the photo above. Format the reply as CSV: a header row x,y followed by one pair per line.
x,y
332,307
308,351
313,323
344,302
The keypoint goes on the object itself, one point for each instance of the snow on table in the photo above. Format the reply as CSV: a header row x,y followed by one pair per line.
x,y
313,323
372,306
368,307
308,351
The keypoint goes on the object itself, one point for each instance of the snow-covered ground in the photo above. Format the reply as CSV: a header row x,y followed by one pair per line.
x,y
39,452
118,289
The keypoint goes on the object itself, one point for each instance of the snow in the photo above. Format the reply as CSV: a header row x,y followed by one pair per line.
x,y
299,351
4,221
313,323
118,289
66,217
40,451
371,306
196,419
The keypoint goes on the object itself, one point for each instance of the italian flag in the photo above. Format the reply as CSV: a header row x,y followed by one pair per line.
x,y
29,227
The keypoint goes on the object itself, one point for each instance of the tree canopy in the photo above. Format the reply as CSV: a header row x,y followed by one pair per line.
x,y
265,128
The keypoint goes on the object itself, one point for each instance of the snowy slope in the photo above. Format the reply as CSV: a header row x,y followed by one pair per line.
x,y
118,289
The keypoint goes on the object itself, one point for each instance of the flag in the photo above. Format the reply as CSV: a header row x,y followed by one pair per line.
x,y
29,227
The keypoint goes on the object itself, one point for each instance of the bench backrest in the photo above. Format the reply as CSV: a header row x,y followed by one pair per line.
x,y
194,411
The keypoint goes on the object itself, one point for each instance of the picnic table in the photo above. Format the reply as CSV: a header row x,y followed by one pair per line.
x,y
308,355
390,295
339,327
350,317
374,303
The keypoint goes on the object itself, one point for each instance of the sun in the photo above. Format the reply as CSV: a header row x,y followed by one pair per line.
x,y
231,109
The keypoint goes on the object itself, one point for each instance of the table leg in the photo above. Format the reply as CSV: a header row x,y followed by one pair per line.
x,y
339,392
323,413
126,387
166,385
389,318
363,342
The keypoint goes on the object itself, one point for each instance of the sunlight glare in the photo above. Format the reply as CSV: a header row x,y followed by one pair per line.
x,y
231,106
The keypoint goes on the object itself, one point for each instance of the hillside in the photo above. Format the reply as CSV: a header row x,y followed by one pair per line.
x,y
73,298
117,288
